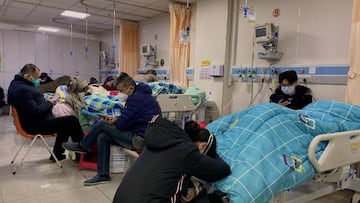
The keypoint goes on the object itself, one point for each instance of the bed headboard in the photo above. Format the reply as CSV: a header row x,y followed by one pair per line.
x,y
178,102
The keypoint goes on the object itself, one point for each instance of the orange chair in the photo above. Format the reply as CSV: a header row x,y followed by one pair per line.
x,y
27,137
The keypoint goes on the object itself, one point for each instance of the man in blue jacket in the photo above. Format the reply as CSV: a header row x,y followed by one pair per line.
x,y
35,113
124,131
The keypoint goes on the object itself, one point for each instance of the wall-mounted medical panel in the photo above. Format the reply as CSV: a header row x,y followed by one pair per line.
x,y
216,70
163,73
236,73
190,73
332,74
313,74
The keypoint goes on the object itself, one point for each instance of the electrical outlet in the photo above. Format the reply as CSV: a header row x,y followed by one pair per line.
x,y
236,73
305,79
263,70
301,71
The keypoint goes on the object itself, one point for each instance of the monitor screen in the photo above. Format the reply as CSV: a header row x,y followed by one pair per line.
x,y
260,32
145,49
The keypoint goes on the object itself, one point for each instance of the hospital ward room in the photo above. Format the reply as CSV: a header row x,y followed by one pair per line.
x,y
181,101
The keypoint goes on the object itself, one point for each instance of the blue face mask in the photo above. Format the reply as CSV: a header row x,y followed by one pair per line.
x,y
36,82
288,90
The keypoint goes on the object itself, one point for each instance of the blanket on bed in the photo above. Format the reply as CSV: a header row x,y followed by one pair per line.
x,y
164,88
266,146
104,105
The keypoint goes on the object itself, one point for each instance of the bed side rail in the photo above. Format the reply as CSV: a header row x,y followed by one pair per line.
x,y
343,149
178,102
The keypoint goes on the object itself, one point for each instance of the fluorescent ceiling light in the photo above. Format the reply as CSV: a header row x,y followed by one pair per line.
x,y
74,14
48,29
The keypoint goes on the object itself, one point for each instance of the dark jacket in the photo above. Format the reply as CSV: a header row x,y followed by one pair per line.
x,y
29,102
168,156
2,96
299,100
140,107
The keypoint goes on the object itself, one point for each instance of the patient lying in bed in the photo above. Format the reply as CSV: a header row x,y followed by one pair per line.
x,y
267,146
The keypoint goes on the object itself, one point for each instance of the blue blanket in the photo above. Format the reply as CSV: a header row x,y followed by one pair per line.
x,y
266,146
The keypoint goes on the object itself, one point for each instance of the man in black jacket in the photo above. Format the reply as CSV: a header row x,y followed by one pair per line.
x,y
159,172
2,96
35,113
290,93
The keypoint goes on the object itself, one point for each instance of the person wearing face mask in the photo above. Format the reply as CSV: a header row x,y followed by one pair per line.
x,y
126,131
289,93
45,78
171,156
35,112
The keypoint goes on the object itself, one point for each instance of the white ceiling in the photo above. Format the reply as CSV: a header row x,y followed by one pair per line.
x,y
29,14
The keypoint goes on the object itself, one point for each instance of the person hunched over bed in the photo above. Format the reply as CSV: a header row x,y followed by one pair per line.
x,y
170,157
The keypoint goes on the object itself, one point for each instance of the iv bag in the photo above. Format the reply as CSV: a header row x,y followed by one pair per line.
x,y
185,36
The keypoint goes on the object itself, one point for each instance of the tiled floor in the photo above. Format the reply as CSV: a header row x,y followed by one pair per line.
x,y
41,181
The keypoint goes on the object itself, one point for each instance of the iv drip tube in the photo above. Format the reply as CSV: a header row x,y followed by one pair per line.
x,y
86,35
71,39
113,39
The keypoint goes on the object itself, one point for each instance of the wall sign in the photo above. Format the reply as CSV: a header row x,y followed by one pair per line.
x,y
276,12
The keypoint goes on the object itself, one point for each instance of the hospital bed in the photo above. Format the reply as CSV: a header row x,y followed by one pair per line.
x,y
188,105
334,171
280,155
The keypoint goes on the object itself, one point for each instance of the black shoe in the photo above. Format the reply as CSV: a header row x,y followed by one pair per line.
x,y
98,179
75,147
59,157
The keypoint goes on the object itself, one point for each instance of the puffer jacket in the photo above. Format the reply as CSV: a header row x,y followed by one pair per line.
x,y
29,103
169,156
140,107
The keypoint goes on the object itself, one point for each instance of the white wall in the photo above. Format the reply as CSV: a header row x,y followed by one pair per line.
x,y
156,31
51,53
106,39
207,38
311,33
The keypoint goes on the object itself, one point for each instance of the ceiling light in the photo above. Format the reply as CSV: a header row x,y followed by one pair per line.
x,y
48,29
74,14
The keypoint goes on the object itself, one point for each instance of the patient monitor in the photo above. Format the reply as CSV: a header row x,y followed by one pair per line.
x,y
267,35
149,54
147,50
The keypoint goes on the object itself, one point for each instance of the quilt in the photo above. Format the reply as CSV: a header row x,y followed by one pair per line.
x,y
266,146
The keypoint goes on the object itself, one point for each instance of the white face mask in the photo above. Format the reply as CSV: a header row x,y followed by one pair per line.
x,y
288,90
121,96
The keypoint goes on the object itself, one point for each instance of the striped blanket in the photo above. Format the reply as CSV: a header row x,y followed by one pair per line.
x,y
104,105
164,88
266,146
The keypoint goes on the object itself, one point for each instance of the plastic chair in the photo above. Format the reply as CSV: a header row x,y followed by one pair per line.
x,y
27,137
88,163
